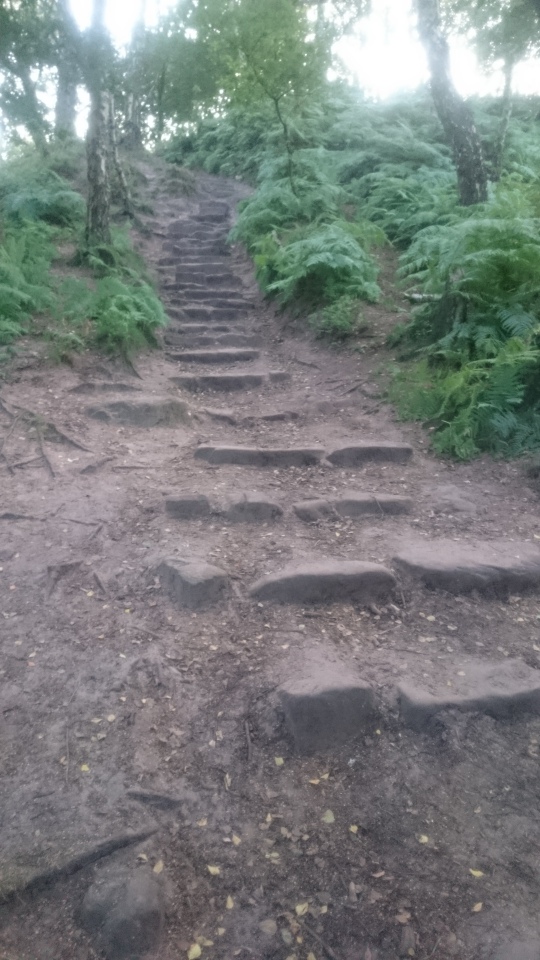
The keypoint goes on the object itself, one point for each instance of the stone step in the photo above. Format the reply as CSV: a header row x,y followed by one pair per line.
x,y
198,248
252,508
213,313
200,329
326,705
229,299
207,340
221,382
194,231
503,690
328,581
212,316
355,455
194,263
218,219
215,356
258,457
496,567
142,413
213,208
352,505
188,506
192,584
210,278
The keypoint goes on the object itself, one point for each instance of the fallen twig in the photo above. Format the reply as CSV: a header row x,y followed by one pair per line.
x,y
328,950
95,533
249,742
44,455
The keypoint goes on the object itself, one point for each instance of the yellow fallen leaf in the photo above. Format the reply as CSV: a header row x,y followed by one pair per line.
x,y
431,618
477,907
111,718
353,828
311,956
476,873
324,776
204,942
301,909
220,931
96,720
194,952
423,838
324,909
85,768
279,761
403,916
236,839
269,927
215,871
227,780
230,903
315,782
158,867
142,857
328,817
202,823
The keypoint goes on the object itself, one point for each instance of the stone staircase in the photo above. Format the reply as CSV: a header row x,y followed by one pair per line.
x,y
213,323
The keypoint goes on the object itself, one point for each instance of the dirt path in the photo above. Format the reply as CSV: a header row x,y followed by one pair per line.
x,y
269,671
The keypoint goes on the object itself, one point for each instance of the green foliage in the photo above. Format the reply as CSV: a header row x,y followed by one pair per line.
x,y
26,254
318,265
126,316
341,320
478,383
115,310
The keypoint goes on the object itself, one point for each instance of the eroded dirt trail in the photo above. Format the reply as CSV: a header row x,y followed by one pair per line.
x,y
270,679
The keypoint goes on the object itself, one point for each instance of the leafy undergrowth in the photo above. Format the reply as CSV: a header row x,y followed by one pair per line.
x,y
110,305
360,175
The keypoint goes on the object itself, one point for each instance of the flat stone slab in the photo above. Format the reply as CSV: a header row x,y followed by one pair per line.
x,y
210,314
311,511
188,507
215,356
224,382
192,585
142,413
326,707
357,454
253,508
495,566
207,340
352,505
124,912
217,413
326,582
257,457
503,690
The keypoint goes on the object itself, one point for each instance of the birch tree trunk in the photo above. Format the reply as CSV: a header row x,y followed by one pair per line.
x,y
97,141
453,112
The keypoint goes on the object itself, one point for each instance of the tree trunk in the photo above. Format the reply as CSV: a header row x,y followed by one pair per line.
x,y
33,115
68,74
99,191
66,102
453,112
507,106
132,138
127,203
